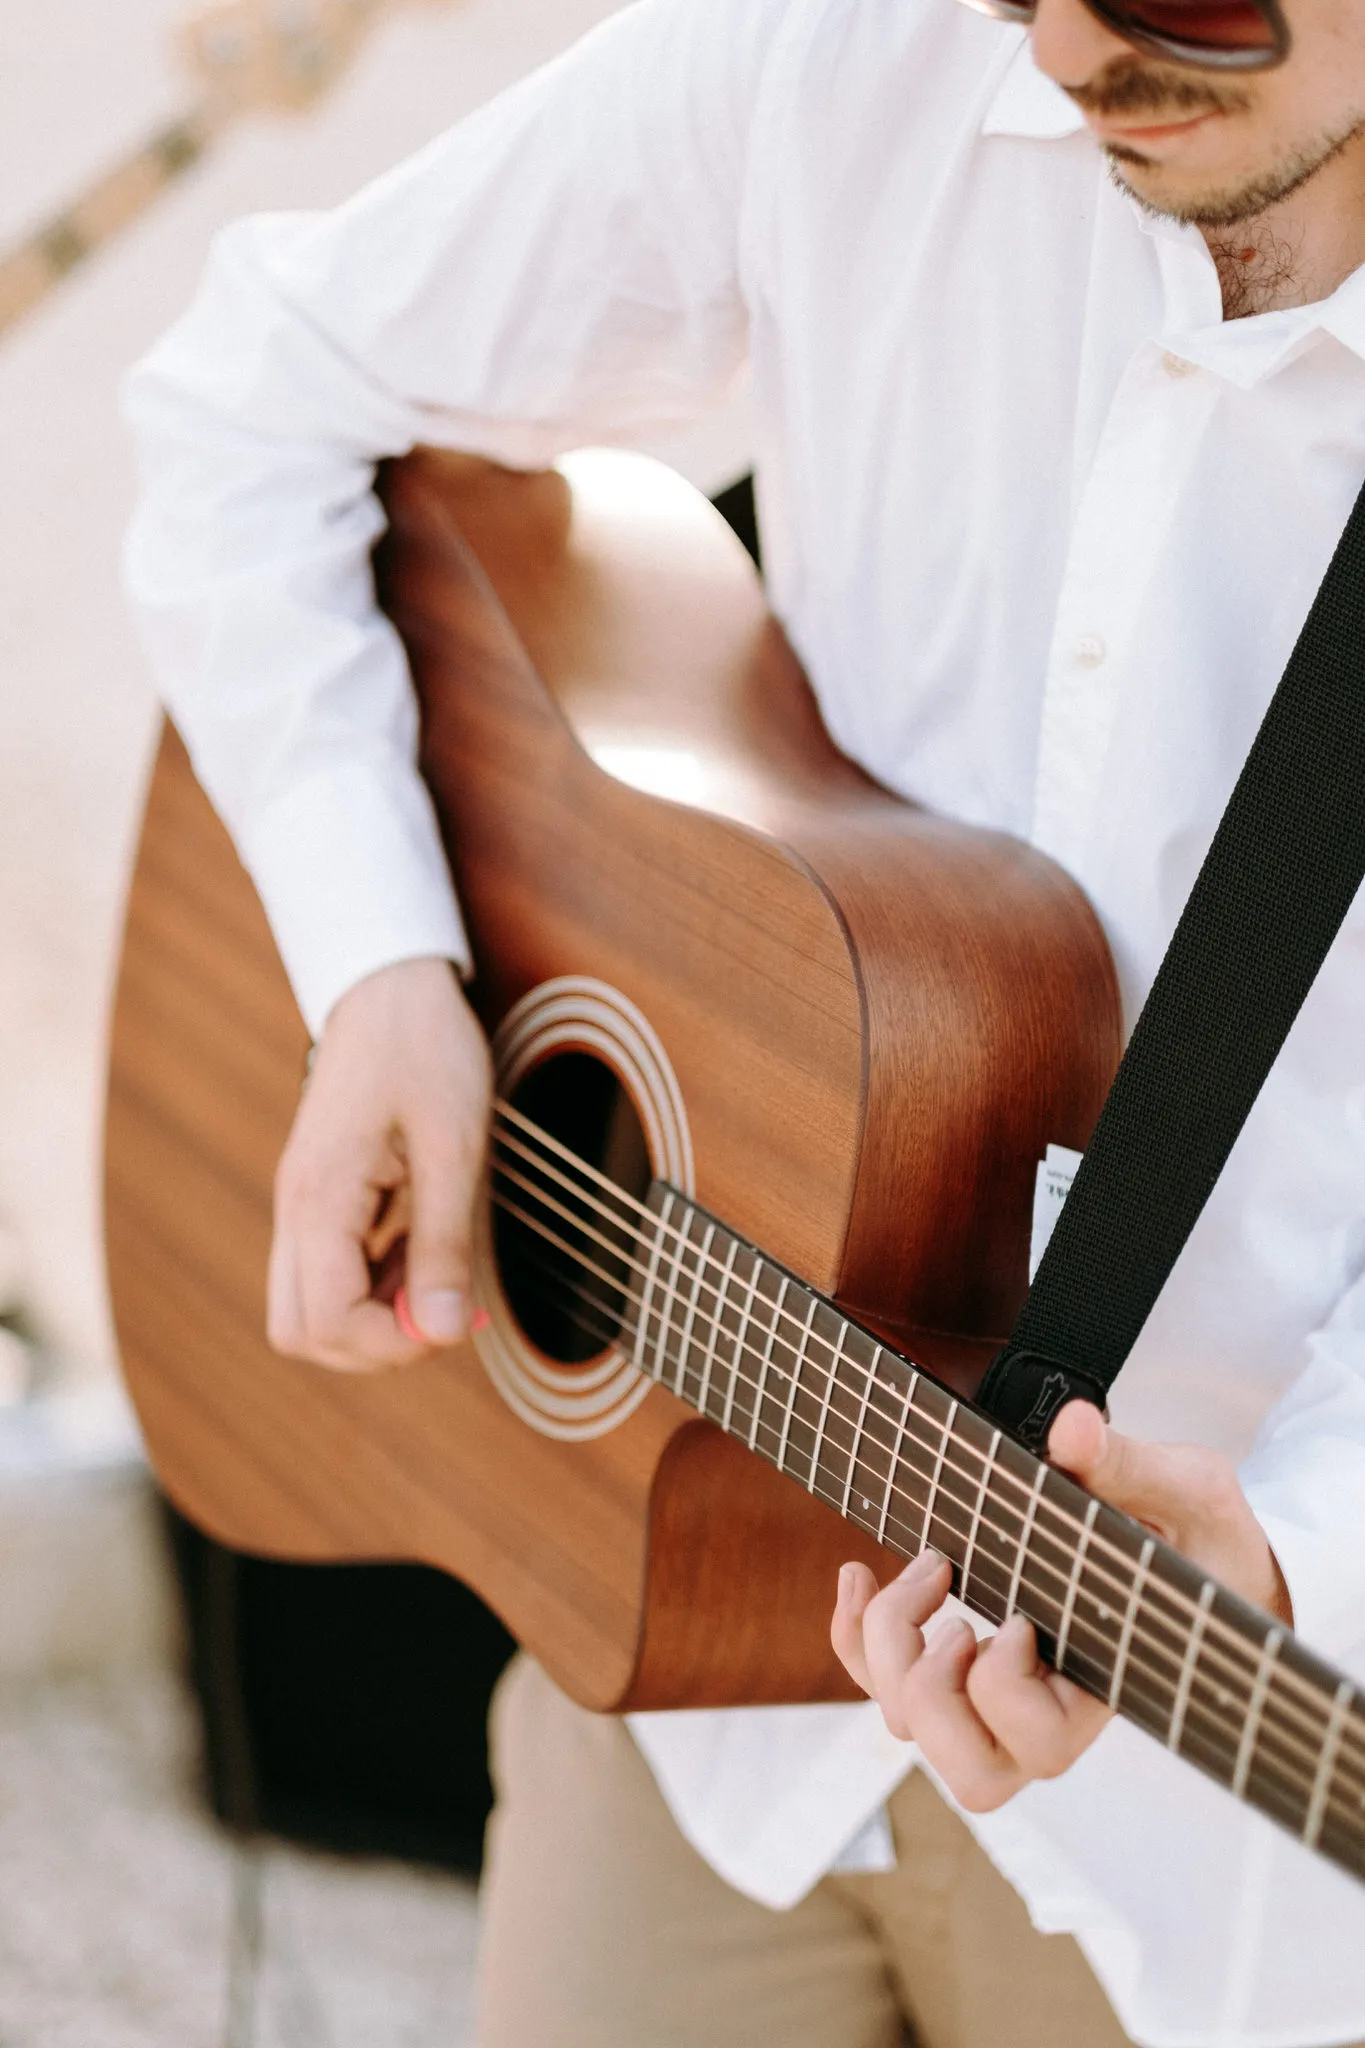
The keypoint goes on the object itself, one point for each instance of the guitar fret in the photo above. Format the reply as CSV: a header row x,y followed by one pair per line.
x,y
1246,1748
979,1500
714,1334
669,1282
799,1360
907,1401
987,1468
949,1419
831,1379
858,1428
1073,1583
1322,1779
1187,1664
762,1388
647,1308
1130,1619
703,1252
1025,1536
745,1318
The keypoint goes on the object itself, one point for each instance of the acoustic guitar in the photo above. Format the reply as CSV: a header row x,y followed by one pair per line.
x,y
776,1054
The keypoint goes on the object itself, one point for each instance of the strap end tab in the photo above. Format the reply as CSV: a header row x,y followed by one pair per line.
x,y
1023,1391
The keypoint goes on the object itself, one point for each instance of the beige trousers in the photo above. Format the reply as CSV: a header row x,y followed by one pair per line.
x,y
603,1929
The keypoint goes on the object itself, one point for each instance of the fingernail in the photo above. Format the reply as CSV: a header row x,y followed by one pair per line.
x,y
924,1566
402,1315
845,1579
481,1321
948,1636
440,1315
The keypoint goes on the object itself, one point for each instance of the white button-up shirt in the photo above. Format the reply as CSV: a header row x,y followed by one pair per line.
x,y
1043,530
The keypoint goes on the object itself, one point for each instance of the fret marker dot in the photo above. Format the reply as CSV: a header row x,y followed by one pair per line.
x,y
1224,1697
1104,1613
867,1504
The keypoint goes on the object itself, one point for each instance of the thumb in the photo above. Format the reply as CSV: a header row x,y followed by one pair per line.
x,y
1134,1476
1185,1493
439,1289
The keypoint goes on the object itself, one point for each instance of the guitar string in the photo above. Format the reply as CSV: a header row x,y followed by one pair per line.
x,y
1177,1599
868,1373
1171,1659
1295,1772
1247,1655
605,1331
984,1521
1203,1723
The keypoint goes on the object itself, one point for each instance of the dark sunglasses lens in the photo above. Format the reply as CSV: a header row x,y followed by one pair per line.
x,y
1233,33
1211,25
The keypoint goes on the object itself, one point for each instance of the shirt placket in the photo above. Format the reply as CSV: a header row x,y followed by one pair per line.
x,y
1150,441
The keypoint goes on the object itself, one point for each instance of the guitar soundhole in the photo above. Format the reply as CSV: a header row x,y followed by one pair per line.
x,y
562,1240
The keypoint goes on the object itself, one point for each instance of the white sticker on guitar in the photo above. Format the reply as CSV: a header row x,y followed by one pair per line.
x,y
1050,1190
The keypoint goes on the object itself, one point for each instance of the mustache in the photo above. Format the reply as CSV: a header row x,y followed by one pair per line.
x,y
1127,85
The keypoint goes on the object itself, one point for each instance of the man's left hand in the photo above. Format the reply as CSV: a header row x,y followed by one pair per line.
x,y
990,1717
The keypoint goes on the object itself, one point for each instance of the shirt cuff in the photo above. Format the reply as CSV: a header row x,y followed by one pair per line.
x,y
350,867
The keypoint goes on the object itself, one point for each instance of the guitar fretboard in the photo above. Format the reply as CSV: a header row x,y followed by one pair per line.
x,y
1219,1682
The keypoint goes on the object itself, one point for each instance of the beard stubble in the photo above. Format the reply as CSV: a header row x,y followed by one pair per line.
x,y
1131,86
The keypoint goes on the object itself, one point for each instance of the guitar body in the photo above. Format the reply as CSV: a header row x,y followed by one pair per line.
x,y
848,1028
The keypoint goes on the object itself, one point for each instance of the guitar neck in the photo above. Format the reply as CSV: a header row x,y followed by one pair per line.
x,y
888,1446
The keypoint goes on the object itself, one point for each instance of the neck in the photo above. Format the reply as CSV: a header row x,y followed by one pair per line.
x,y
1299,250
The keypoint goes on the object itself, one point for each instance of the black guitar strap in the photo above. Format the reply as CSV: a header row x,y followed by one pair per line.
x,y
1280,875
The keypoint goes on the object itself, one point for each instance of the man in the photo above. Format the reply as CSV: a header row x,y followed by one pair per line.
x,y
1055,443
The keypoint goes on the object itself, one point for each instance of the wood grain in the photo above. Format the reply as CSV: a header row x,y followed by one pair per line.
x,y
878,1020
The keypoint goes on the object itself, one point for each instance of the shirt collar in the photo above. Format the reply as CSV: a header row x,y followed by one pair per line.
x,y
1028,103
1245,352
1343,315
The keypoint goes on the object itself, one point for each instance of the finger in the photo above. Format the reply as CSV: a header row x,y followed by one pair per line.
x,y
324,1210
445,1169
1076,1440
979,1772
857,1589
366,1338
1185,1493
893,1638
1043,1721
1179,1490
345,1327
283,1303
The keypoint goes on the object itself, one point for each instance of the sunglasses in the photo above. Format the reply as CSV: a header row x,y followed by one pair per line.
x,y
1217,35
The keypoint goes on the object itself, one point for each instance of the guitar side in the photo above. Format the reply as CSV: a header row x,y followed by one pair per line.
x,y
798,946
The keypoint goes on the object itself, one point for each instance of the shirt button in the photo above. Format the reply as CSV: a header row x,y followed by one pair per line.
x,y
1177,366
1089,651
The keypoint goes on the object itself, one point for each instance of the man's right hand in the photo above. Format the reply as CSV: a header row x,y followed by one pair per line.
x,y
392,1125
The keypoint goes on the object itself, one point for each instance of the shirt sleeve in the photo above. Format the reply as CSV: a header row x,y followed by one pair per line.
x,y
1305,1479
561,268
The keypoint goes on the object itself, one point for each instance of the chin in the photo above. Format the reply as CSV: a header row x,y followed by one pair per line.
x,y
1151,184
1202,198
1221,198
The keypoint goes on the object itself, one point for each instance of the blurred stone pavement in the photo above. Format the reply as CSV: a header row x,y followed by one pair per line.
x,y
128,1921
